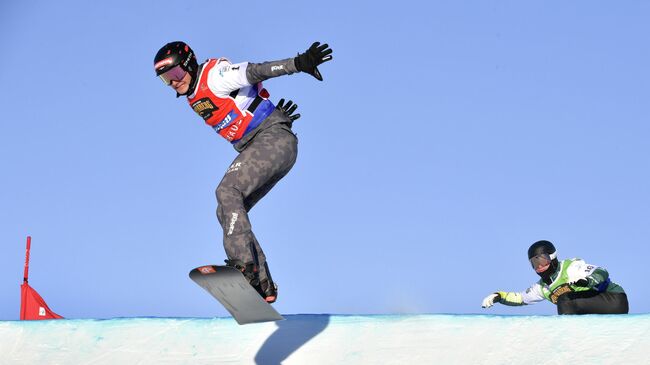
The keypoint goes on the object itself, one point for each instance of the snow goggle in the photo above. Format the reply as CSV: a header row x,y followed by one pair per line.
x,y
175,73
541,260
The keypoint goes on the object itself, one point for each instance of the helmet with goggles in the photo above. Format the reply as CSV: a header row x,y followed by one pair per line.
x,y
173,61
543,258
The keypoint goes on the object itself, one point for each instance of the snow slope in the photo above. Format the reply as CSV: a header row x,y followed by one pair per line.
x,y
332,339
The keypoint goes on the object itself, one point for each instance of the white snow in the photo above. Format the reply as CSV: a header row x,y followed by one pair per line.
x,y
332,339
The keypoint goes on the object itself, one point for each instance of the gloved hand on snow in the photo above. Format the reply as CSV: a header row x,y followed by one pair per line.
x,y
288,109
490,300
316,54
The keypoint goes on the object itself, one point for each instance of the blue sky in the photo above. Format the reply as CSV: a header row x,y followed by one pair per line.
x,y
445,139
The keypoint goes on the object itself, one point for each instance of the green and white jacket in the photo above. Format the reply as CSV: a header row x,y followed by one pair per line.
x,y
568,272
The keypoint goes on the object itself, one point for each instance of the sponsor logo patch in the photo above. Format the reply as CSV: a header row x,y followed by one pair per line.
x,y
233,220
234,167
204,107
559,291
225,121
205,270
232,130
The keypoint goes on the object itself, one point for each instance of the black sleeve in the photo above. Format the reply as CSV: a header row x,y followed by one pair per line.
x,y
256,72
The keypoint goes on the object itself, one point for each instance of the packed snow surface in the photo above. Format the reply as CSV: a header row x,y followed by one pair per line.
x,y
332,339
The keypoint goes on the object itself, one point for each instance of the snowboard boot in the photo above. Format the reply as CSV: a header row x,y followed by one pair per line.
x,y
268,290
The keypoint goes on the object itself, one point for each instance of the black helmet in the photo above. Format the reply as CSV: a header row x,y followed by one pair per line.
x,y
176,54
541,247
544,248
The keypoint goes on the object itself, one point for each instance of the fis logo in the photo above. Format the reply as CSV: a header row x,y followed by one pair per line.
x,y
227,68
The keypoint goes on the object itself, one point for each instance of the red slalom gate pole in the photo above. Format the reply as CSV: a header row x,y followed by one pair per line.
x,y
32,305
24,289
29,246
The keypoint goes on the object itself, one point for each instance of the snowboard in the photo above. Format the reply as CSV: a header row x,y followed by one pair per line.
x,y
229,286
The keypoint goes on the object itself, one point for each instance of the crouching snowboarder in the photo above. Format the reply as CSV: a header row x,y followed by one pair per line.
x,y
573,285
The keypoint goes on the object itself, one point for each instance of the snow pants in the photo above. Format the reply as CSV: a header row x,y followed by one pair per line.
x,y
592,302
266,159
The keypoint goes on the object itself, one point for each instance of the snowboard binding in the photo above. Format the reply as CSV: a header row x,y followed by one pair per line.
x,y
266,288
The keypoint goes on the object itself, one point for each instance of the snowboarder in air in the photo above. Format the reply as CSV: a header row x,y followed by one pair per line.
x,y
230,99
573,285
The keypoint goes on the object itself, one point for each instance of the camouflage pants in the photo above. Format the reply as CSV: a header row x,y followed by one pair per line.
x,y
264,161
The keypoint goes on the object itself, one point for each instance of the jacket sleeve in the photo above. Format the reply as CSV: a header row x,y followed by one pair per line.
x,y
529,296
510,298
257,72
227,77
600,275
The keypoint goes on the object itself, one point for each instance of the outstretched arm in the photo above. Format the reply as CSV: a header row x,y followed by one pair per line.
x,y
305,62
531,295
256,72
506,298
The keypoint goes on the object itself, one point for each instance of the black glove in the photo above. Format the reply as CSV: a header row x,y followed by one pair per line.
x,y
288,109
582,282
314,56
